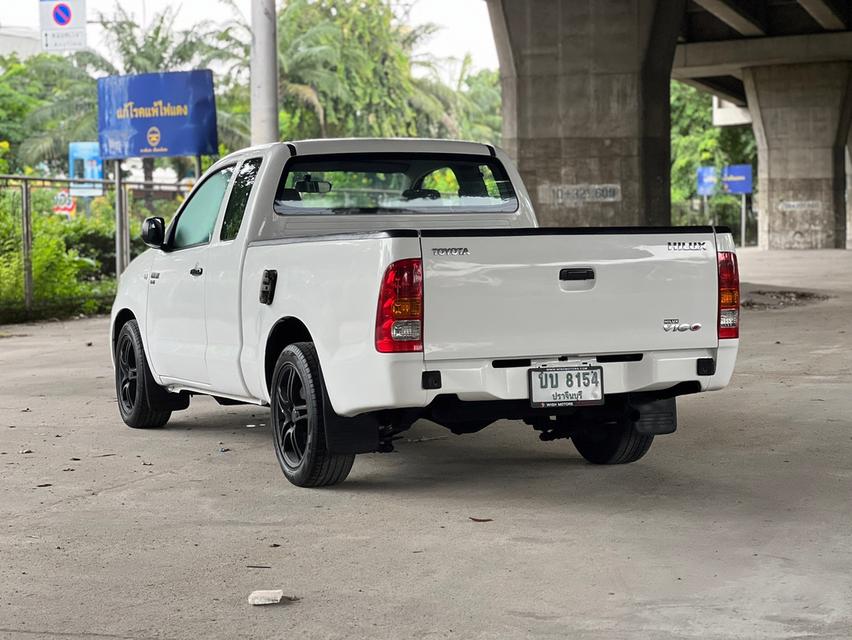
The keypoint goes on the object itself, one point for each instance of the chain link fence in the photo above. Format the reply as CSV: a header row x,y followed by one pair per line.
x,y
58,241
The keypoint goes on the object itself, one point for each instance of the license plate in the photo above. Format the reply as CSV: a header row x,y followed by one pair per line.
x,y
566,386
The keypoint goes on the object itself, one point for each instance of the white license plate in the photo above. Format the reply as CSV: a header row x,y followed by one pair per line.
x,y
566,386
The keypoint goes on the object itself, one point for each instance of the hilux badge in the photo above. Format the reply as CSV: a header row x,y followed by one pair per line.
x,y
687,246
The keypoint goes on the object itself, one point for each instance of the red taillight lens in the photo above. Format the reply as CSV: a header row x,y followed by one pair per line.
x,y
729,295
399,319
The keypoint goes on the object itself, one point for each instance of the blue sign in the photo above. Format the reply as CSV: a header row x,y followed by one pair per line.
x,y
62,14
84,161
737,178
707,180
158,115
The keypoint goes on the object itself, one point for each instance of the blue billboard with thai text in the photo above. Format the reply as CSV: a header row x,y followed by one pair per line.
x,y
737,178
157,114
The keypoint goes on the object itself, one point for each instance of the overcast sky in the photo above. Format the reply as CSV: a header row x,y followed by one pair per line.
x,y
465,25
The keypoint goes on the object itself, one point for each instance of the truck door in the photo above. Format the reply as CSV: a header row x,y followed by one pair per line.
x,y
176,325
222,286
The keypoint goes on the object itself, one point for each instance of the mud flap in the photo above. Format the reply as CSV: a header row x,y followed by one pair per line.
x,y
160,398
656,417
349,435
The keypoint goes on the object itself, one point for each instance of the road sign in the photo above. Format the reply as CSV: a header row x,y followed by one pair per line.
x,y
737,178
63,25
84,161
707,180
157,114
65,204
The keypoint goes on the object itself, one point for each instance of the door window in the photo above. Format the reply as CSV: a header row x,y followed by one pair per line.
x,y
236,208
196,221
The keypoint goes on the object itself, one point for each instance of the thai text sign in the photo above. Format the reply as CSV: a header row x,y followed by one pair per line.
x,y
157,114
737,178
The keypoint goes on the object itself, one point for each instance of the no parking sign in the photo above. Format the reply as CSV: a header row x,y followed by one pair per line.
x,y
63,25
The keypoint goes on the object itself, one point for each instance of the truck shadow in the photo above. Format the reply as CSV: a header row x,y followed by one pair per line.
x,y
506,464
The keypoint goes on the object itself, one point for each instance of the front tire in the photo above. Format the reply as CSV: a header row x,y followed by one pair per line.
x,y
132,382
298,423
615,443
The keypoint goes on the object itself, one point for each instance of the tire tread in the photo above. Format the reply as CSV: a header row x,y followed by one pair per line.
x,y
622,448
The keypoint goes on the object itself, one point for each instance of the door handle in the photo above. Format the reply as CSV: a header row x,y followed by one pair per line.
x,y
581,273
196,271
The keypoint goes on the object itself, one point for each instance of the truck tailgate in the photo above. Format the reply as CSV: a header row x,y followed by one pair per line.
x,y
550,292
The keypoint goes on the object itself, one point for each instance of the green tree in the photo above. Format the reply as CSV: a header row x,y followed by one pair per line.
x,y
697,142
71,113
309,53
28,91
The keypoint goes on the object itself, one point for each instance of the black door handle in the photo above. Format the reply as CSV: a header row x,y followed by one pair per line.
x,y
196,271
580,273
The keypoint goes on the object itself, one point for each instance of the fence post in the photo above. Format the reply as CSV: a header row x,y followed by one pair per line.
x,y
27,242
122,240
126,212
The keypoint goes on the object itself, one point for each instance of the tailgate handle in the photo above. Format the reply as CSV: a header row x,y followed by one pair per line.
x,y
579,273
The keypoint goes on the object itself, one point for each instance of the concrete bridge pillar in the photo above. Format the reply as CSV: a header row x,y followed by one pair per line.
x,y
586,105
801,116
849,191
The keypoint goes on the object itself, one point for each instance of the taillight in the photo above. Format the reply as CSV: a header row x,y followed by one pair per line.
x,y
399,319
729,295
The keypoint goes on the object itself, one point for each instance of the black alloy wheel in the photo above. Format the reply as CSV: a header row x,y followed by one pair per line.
x,y
291,423
127,374
298,410
136,391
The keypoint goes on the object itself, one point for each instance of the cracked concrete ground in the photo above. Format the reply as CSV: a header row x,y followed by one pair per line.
x,y
737,526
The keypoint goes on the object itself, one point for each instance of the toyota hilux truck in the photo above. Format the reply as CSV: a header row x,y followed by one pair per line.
x,y
357,286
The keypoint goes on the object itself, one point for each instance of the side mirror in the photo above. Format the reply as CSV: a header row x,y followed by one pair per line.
x,y
154,232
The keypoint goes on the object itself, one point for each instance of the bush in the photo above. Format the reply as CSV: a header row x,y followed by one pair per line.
x,y
73,262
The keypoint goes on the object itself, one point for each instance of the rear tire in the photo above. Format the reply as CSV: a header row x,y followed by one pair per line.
x,y
613,443
133,382
298,422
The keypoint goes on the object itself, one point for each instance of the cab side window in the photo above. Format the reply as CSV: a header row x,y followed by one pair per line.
x,y
236,208
196,221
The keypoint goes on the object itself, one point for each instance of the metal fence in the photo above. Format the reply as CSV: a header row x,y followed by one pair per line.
x,y
62,241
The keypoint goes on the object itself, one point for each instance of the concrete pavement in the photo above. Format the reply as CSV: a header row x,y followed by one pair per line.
x,y
737,526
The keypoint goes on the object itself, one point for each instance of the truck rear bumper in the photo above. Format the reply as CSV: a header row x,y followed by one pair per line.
x,y
481,380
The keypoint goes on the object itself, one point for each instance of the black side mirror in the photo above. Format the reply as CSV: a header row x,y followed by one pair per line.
x,y
154,232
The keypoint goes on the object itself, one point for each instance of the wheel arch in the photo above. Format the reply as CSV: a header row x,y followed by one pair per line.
x,y
124,316
285,332
120,319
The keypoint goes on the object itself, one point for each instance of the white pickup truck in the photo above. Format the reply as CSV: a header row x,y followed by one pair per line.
x,y
357,286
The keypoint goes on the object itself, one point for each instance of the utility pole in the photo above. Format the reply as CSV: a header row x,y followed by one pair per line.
x,y
264,72
122,231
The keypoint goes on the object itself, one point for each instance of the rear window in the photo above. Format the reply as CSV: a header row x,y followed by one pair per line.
x,y
418,183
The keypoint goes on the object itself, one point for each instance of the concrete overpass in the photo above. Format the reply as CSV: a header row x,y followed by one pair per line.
x,y
586,104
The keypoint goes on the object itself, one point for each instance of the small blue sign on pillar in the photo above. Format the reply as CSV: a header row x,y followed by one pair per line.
x,y
707,181
737,179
